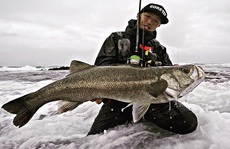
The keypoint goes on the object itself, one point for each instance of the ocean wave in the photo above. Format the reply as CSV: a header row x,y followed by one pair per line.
x,y
20,68
32,68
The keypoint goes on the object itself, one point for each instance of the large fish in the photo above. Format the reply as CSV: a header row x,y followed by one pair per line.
x,y
138,85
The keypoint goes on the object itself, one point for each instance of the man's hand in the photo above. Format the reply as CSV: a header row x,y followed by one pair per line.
x,y
176,65
97,100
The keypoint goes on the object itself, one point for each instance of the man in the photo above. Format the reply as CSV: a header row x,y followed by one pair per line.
x,y
117,49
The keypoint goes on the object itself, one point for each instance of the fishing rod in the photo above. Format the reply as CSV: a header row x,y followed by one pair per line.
x,y
138,28
136,59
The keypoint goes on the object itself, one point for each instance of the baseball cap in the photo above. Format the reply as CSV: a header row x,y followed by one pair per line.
x,y
157,9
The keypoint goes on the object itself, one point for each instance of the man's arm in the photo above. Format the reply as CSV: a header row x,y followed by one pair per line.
x,y
108,52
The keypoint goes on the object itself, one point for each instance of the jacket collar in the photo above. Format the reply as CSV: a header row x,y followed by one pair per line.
x,y
132,29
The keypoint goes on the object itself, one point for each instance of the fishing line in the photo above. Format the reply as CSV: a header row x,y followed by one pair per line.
x,y
143,44
178,85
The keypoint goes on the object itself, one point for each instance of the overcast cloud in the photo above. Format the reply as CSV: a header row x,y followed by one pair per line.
x,y
54,32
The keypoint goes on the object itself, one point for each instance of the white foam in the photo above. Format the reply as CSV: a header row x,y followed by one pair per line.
x,y
209,101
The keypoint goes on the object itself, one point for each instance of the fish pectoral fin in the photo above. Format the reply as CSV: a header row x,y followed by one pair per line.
x,y
77,66
157,88
139,111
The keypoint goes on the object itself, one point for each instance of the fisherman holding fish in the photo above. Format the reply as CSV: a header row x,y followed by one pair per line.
x,y
129,93
119,48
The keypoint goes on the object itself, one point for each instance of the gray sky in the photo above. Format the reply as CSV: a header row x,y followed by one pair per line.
x,y
54,32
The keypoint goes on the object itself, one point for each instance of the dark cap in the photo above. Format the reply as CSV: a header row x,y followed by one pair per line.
x,y
158,9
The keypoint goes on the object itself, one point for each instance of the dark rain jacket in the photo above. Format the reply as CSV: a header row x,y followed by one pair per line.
x,y
119,46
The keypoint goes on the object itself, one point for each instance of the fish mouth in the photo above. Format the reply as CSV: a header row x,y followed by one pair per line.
x,y
197,75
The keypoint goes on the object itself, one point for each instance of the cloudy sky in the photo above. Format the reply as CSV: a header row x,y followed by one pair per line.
x,y
54,32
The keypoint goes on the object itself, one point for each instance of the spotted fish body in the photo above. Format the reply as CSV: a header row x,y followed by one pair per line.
x,y
131,84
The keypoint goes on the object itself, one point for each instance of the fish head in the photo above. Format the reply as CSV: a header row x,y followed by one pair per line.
x,y
182,80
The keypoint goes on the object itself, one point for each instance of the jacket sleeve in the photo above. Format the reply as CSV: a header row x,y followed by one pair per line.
x,y
108,52
160,50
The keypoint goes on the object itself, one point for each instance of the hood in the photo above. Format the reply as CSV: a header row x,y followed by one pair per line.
x,y
131,29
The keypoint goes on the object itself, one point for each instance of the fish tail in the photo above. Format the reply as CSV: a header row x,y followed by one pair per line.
x,y
64,106
22,111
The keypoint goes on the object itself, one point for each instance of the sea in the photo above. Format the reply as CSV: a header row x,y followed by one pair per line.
x,y
210,101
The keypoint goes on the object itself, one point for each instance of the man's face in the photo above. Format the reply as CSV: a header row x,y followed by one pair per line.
x,y
149,21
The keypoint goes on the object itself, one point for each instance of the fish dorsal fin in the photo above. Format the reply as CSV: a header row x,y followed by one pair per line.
x,y
76,66
157,88
139,111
